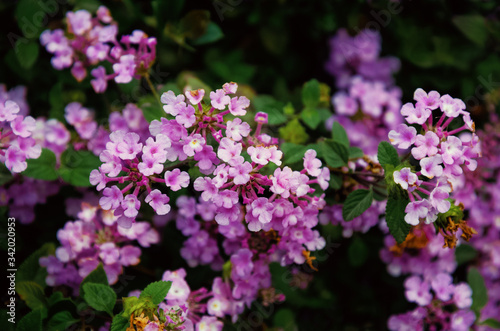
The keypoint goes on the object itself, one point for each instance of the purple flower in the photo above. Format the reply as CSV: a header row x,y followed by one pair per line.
x,y
261,118
226,199
430,101
186,116
442,284
259,154
130,205
241,173
111,199
229,151
125,69
238,106
344,104
262,209
242,263
149,166
79,22
462,296
205,185
176,179
193,144
451,107
8,111
23,126
195,96
230,88
100,82
462,320
451,150
324,178
415,211
404,136
438,200
127,145
219,99
97,177
415,114
281,182
431,166
129,255
206,159
418,291
237,129
109,253
426,145
405,177
158,201
311,163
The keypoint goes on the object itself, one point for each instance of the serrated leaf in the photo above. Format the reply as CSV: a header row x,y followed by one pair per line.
x,y
292,153
335,154
76,167
157,291
339,135
100,297
32,294
473,27
26,53
479,290
119,323
212,34
357,252
61,321
311,94
465,253
30,269
355,153
356,203
42,168
97,276
491,322
31,322
394,216
387,154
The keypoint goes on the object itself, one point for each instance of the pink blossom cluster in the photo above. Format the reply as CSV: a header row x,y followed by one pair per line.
x,y
92,239
16,137
439,152
89,41
359,55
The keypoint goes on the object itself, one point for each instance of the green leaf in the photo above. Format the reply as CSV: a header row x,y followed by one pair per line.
x,y
157,291
100,297
56,102
355,153
284,319
465,253
42,168
292,153
294,132
339,135
76,167
32,294
473,27
212,34
357,252
26,53
165,11
335,181
387,154
272,107
30,269
119,323
356,203
97,276
152,110
394,216
31,322
479,291
335,154
491,322
311,94
311,117
61,321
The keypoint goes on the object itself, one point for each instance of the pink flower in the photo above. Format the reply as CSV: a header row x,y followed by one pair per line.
x,y
176,179
229,151
259,154
100,82
438,200
8,111
415,211
404,136
451,107
261,118
111,199
79,22
15,159
236,129
98,178
129,146
431,166
430,101
405,177
344,104
130,206
206,159
415,114
195,96
149,166
186,116
23,127
219,99
426,145
109,253
311,163
112,164
324,178
281,182
125,69
451,150
462,296
418,291
262,209
241,173
230,88
158,201
193,144
238,106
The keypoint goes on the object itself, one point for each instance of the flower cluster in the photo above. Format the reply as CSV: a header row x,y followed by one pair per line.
x,y
16,137
440,154
92,239
89,40
359,55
